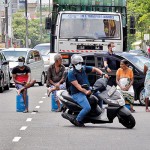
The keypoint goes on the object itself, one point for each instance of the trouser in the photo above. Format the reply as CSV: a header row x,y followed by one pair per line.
x,y
82,100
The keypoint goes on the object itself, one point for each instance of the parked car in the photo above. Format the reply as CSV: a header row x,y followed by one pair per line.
x,y
33,59
140,51
136,62
4,73
44,49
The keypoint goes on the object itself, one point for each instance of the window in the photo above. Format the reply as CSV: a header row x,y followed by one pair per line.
x,y
90,61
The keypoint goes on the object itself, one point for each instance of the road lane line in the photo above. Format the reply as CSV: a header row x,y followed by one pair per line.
x,y
29,119
33,113
44,97
40,102
16,139
23,128
37,107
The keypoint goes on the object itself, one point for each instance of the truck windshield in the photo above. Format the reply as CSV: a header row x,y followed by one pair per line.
x,y
95,26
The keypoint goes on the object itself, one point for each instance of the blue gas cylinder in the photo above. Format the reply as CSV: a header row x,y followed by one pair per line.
x,y
20,107
127,106
53,103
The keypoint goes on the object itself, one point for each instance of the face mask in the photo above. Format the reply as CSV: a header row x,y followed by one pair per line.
x,y
20,64
78,66
114,48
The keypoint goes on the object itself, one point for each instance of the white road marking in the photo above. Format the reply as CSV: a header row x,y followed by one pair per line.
x,y
45,93
29,119
37,107
23,128
40,102
44,97
33,113
16,139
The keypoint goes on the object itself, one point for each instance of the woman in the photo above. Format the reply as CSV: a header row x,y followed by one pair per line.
x,y
124,80
147,84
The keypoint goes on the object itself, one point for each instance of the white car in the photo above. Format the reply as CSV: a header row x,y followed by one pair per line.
x,y
48,57
33,59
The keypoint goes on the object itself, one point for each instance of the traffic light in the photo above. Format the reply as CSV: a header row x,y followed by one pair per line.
x,y
48,23
132,22
132,25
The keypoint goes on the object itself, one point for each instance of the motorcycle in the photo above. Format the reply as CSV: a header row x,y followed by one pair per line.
x,y
112,98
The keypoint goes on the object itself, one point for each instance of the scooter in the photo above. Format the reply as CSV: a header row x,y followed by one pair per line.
x,y
110,95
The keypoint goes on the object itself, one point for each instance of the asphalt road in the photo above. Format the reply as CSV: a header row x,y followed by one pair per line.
x,y
46,130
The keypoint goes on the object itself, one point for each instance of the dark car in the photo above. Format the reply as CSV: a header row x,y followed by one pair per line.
x,y
4,73
139,51
136,62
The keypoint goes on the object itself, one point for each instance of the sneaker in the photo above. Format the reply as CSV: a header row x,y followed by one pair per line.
x,y
78,123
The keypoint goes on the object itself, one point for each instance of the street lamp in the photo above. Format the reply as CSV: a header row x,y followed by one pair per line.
x,y
6,24
26,17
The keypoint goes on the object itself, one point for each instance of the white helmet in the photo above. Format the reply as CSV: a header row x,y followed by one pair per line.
x,y
75,59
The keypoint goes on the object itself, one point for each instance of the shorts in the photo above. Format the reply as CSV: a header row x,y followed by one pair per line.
x,y
19,86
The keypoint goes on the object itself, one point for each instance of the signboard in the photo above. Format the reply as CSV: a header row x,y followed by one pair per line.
x,y
146,37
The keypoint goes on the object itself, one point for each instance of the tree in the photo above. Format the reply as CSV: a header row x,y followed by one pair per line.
x,y
19,29
141,10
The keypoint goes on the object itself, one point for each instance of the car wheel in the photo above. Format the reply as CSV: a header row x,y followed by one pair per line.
x,y
7,86
42,80
141,97
2,86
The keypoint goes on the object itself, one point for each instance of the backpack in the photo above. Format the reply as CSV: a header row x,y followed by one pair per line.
x,y
68,84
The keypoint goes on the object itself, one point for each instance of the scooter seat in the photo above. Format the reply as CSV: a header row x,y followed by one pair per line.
x,y
66,96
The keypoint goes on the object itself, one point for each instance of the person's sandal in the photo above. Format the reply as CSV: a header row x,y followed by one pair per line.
x,y
58,110
132,110
25,111
147,110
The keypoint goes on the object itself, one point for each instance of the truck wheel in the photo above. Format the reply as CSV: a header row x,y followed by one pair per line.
x,y
141,97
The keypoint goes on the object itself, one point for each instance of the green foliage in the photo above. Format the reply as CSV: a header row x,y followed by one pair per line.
x,y
141,10
19,29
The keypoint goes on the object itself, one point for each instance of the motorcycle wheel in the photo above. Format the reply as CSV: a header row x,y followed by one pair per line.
x,y
127,121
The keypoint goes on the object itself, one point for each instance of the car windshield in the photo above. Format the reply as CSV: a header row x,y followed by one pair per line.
x,y
95,26
44,50
13,55
138,61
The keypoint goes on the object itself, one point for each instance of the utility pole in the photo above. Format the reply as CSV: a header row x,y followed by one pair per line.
x,y
26,17
40,20
6,24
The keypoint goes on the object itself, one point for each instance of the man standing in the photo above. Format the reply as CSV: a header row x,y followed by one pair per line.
x,y
56,78
22,77
110,63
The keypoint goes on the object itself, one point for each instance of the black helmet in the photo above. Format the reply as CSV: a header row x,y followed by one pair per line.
x,y
21,59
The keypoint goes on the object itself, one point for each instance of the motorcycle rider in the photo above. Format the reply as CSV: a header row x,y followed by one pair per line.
x,y
77,77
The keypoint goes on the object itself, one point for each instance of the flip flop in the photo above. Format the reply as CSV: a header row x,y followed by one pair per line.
x,y
35,111
25,111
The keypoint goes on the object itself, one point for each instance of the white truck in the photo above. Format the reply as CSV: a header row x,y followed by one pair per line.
x,y
84,28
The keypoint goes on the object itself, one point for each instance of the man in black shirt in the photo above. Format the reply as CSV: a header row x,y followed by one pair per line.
x,y
110,63
22,78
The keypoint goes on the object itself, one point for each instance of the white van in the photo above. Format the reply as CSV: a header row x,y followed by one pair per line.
x,y
33,59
